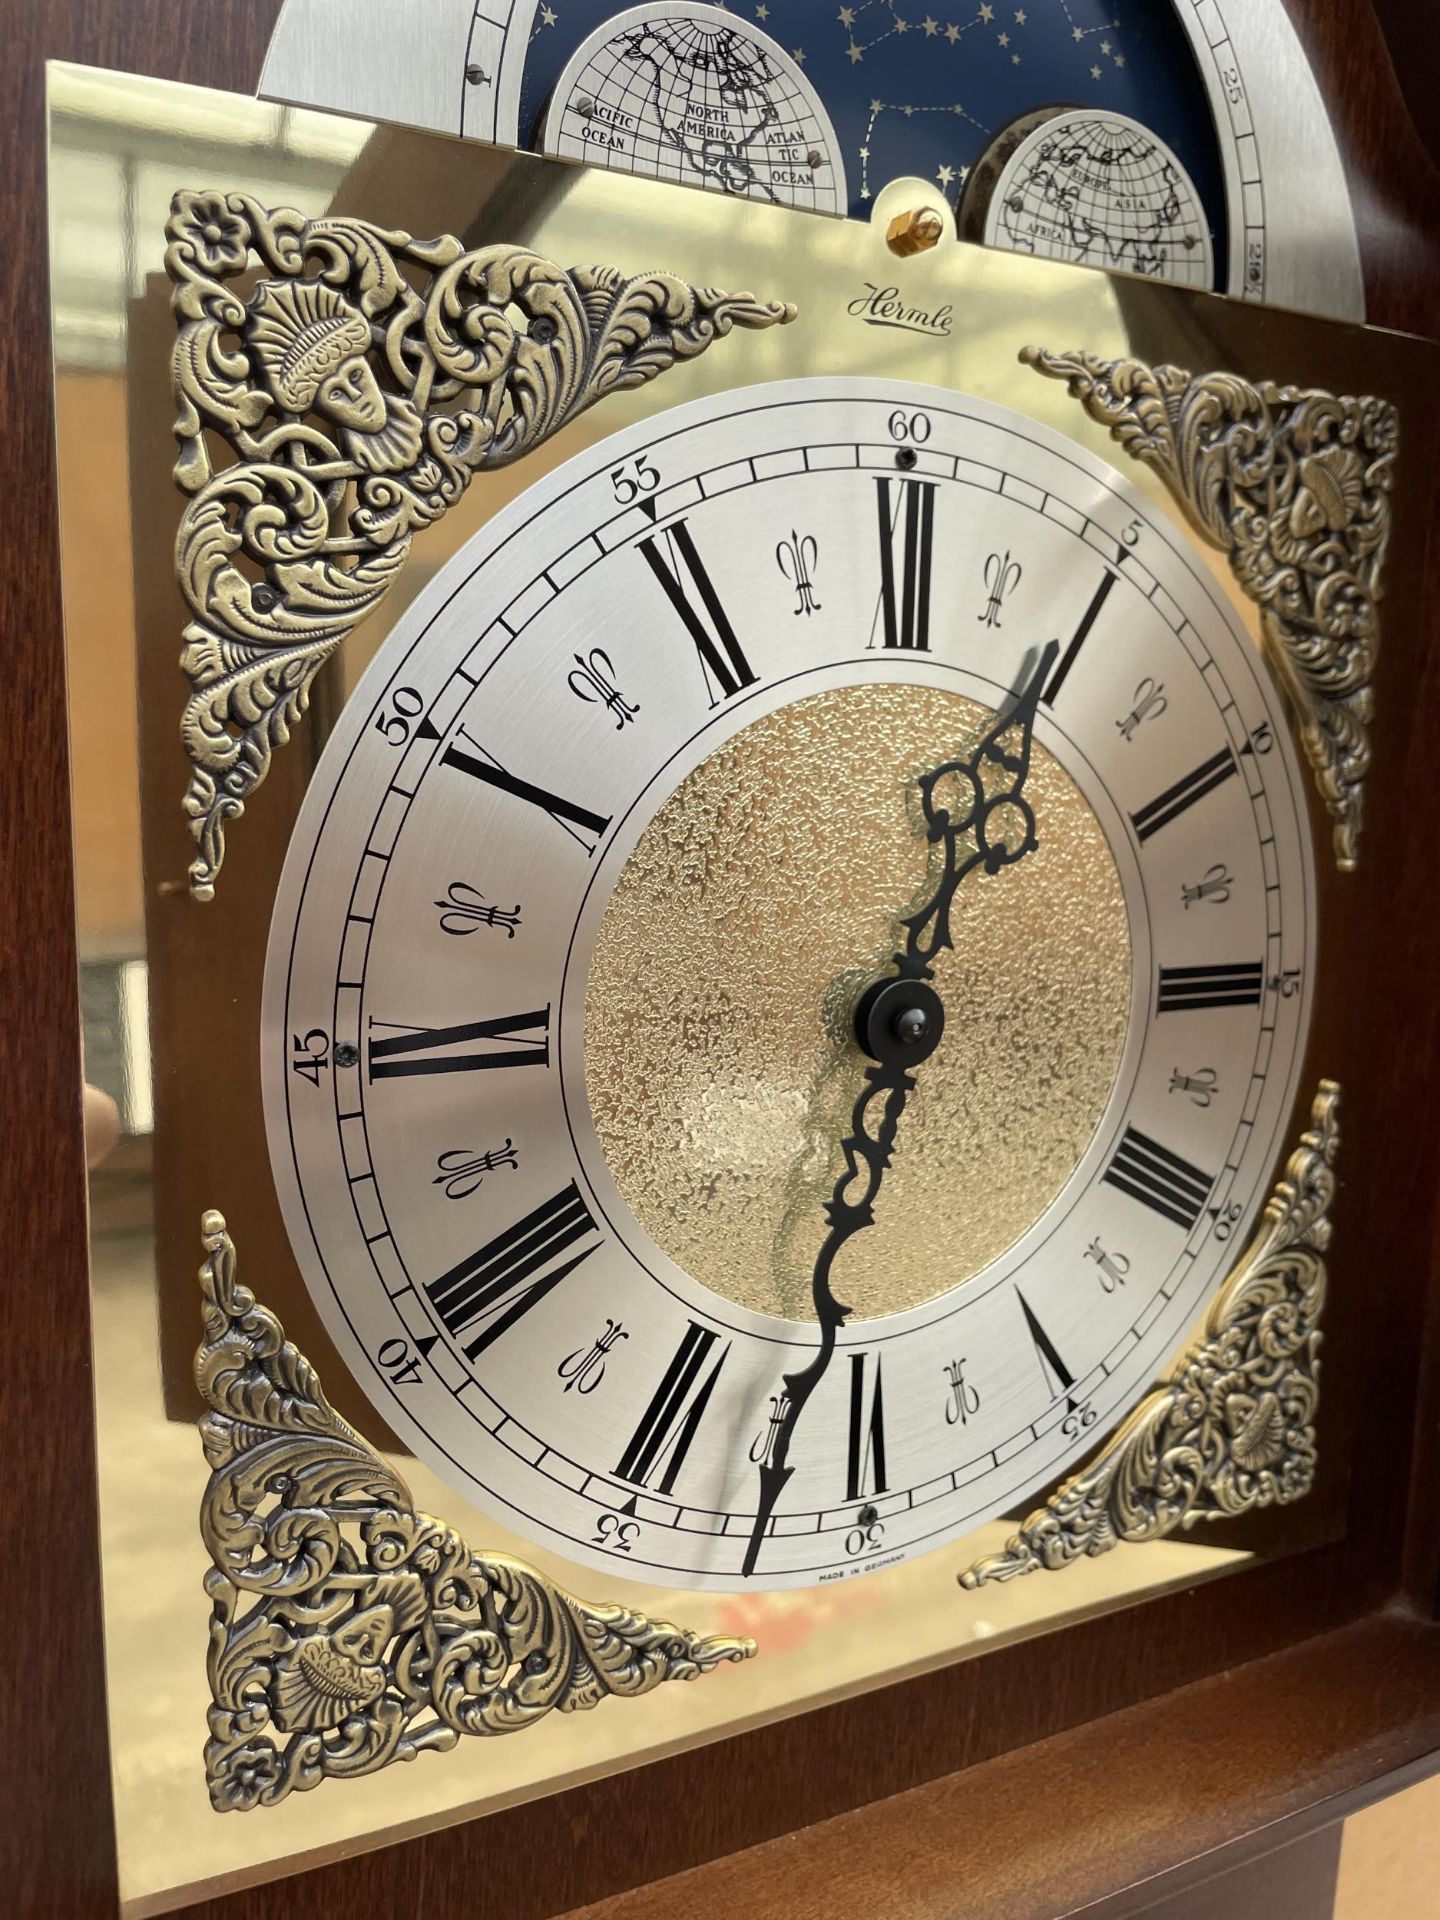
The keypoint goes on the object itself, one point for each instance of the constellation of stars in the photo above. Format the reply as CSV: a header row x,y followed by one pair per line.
x,y
869,23
930,27
945,175
1085,33
887,22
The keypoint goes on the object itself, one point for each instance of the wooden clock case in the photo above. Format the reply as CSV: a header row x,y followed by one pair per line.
x,y
1084,1771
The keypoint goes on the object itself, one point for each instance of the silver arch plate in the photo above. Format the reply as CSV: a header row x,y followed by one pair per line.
x,y
1292,230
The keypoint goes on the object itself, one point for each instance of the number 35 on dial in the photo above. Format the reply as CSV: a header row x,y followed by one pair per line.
x,y
563,1033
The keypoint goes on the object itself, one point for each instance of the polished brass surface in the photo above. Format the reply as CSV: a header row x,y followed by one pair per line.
x,y
360,392
1233,1428
915,232
348,1631
1295,486
796,838
121,147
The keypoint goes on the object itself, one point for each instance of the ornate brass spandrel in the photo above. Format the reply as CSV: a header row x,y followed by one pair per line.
x,y
1294,485
347,1630
1233,1428
361,382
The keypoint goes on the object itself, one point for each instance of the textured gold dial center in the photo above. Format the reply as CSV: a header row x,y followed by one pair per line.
x,y
720,1063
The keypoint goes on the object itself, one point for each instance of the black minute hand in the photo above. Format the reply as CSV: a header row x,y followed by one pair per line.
x,y
976,815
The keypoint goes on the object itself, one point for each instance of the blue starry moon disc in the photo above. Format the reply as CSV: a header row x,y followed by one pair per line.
x,y
907,91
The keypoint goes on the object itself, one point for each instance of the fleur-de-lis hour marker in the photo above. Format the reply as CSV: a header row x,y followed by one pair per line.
x,y
592,678
796,558
964,1399
1113,1266
460,1172
1002,576
1150,703
464,909
584,1369
763,1444
1202,1085
1215,888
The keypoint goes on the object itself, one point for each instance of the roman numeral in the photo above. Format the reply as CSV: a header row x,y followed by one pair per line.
x,y
865,1455
579,822
1078,639
1185,989
1169,805
1058,1376
722,661
669,1424
514,1271
1159,1179
906,521
525,1039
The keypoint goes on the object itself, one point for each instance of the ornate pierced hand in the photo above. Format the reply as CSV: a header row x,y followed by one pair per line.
x,y
976,815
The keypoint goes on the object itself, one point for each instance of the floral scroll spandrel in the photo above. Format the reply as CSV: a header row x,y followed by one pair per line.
x,y
360,383
1233,1428
1295,487
347,1630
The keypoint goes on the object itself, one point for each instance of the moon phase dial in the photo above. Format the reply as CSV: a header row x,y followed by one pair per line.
x,y
1223,87
571,990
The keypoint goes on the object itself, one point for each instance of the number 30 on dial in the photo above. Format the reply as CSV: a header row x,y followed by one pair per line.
x,y
560,1043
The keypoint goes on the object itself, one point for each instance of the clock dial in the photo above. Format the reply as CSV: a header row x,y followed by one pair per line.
x,y
560,1046
689,93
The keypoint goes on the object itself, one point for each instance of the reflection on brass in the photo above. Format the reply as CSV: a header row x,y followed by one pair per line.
x,y
915,232
1294,486
360,391
799,837
114,136
1233,1428
346,1629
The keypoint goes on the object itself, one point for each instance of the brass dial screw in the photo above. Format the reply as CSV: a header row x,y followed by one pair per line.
x,y
915,232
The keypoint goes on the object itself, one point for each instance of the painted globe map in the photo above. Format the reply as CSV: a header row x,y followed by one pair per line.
x,y
698,99
1102,190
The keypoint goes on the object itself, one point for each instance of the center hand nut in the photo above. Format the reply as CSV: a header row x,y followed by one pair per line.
x,y
899,1022
911,1026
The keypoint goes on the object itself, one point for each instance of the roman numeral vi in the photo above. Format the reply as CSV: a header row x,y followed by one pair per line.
x,y
865,1455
